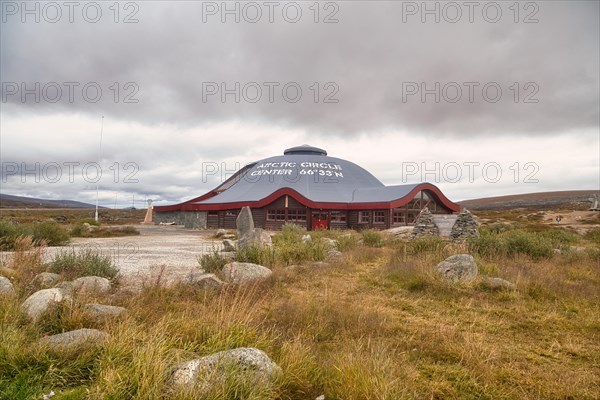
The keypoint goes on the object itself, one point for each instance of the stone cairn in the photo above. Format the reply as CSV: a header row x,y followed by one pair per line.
x,y
424,225
465,226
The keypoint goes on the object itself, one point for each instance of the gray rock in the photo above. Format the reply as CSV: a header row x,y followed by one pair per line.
x,y
228,245
228,236
221,233
306,238
6,287
498,283
67,286
38,304
244,222
75,340
332,244
208,371
257,238
102,312
91,284
239,272
333,254
321,397
203,280
460,267
47,279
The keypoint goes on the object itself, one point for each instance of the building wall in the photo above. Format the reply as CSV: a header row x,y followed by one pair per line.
x,y
189,219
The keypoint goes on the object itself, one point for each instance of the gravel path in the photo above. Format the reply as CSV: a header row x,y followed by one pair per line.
x,y
159,252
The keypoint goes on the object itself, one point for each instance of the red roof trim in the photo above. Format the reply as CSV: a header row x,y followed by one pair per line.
x,y
186,206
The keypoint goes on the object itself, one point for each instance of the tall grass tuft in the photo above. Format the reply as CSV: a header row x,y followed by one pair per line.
x,y
86,262
372,238
212,262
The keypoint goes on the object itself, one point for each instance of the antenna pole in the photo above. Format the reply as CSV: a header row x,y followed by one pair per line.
x,y
99,159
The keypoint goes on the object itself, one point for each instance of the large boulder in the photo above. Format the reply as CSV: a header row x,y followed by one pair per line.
x,y
257,238
208,371
39,303
102,312
458,268
240,272
497,283
203,280
91,284
47,279
74,340
6,287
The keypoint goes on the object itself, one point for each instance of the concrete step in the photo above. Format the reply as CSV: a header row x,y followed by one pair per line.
x,y
445,222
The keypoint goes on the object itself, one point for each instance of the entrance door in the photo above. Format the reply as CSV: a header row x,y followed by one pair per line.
x,y
320,220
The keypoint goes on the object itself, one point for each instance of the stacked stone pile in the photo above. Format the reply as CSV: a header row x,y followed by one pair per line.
x,y
465,226
424,225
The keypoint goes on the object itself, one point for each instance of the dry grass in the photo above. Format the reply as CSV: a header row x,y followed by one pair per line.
x,y
378,324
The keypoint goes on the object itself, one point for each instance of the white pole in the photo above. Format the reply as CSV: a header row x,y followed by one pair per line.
x,y
99,159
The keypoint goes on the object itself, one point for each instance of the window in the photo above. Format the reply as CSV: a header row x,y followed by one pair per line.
x,y
213,213
379,217
231,213
363,217
398,217
338,216
286,215
296,215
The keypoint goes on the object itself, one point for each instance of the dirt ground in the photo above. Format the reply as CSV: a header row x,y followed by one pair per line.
x,y
580,221
165,252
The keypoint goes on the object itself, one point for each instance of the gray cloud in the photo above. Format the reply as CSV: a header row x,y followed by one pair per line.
x,y
370,54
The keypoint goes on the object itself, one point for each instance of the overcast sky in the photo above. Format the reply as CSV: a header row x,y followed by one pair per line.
x,y
480,98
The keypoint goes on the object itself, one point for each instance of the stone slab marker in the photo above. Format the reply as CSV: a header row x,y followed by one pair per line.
x,y
444,222
244,222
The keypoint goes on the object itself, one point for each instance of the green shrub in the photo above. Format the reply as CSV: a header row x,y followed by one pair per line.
x,y
498,227
347,241
80,231
513,242
86,262
257,255
212,262
372,238
594,236
49,232
91,221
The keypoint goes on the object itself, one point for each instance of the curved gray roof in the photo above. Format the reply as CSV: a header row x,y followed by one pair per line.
x,y
308,171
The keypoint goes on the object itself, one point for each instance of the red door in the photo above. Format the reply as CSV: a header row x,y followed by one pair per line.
x,y
320,220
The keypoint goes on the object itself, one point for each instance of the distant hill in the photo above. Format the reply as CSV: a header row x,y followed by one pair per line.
x,y
10,201
570,199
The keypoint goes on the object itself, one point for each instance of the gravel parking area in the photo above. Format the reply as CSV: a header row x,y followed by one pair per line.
x,y
159,252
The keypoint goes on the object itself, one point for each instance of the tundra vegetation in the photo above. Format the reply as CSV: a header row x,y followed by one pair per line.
x,y
377,322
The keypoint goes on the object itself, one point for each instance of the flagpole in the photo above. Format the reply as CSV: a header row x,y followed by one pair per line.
x,y
99,159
